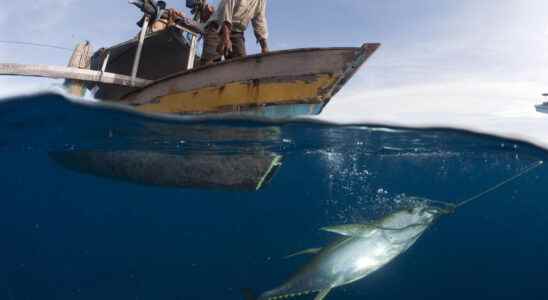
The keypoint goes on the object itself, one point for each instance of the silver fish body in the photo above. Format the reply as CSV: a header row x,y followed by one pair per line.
x,y
364,249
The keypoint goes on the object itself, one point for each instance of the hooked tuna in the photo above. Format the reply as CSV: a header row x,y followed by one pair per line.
x,y
364,249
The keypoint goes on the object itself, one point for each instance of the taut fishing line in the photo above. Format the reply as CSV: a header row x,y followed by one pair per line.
x,y
501,184
452,207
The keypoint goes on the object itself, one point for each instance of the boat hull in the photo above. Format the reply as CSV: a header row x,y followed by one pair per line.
x,y
542,108
276,85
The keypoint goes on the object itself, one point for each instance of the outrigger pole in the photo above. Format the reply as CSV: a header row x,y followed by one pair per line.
x,y
58,72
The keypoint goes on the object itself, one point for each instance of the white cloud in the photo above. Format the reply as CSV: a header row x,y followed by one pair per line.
x,y
502,108
34,18
462,97
482,67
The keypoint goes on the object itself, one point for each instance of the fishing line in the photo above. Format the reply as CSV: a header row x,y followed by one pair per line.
x,y
451,207
35,45
503,183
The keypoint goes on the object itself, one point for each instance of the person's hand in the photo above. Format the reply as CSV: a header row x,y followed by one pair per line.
x,y
207,13
174,12
225,47
264,46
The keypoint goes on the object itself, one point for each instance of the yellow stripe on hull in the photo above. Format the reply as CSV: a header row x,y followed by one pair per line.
x,y
242,95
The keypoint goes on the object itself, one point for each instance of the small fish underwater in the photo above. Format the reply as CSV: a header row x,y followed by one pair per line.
x,y
366,248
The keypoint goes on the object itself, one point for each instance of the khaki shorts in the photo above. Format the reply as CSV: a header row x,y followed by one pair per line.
x,y
238,45
212,39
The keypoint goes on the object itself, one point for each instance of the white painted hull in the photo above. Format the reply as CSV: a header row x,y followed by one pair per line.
x,y
543,108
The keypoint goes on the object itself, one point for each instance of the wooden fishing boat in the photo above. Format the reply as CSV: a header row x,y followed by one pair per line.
x,y
279,84
158,72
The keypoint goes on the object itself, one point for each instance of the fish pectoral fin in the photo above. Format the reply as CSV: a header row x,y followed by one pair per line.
x,y
363,230
307,251
322,294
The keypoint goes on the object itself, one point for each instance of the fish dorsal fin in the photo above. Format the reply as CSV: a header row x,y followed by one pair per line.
x,y
322,294
307,251
363,230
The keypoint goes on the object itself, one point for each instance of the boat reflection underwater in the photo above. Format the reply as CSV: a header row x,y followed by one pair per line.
x,y
244,168
218,171
365,248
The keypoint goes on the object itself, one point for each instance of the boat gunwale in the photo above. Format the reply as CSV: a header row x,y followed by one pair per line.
x,y
250,57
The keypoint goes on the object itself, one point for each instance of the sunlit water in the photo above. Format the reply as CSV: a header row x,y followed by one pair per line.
x,y
68,232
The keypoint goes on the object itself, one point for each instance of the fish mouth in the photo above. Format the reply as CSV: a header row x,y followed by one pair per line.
x,y
439,208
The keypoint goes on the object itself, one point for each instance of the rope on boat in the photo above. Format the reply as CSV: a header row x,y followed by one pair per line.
x,y
35,45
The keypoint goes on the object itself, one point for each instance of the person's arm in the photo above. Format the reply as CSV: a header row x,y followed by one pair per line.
x,y
225,14
225,46
260,26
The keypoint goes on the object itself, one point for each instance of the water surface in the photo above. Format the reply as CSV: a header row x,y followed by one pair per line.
x,y
68,233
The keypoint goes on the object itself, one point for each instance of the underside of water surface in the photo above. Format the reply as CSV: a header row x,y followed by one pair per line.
x,y
102,203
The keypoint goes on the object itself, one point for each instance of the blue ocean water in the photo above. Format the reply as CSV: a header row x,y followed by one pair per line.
x,y
90,210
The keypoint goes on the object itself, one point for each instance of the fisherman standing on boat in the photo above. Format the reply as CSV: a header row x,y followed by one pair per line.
x,y
226,27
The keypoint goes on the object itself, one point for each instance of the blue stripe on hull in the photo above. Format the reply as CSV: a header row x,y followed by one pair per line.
x,y
281,111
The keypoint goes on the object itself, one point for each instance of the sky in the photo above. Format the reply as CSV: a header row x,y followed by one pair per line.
x,y
477,64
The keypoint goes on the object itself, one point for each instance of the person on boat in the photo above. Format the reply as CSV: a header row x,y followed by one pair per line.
x,y
226,27
211,36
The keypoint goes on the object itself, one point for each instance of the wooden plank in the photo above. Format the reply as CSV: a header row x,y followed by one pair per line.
x,y
58,72
81,59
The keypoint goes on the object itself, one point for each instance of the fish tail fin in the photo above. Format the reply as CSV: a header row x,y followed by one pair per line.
x,y
249,294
